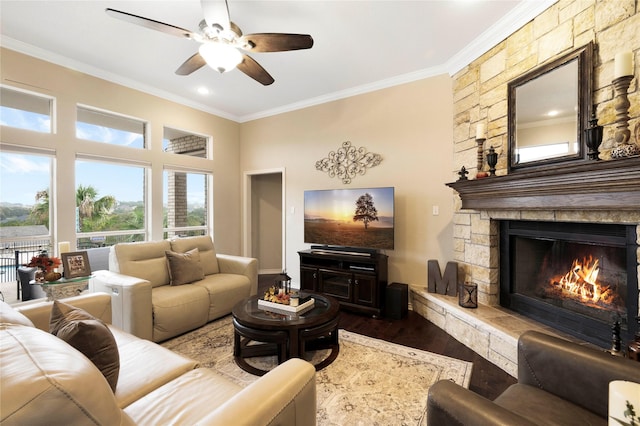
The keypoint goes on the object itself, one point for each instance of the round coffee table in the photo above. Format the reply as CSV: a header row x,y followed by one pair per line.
x,y
260,332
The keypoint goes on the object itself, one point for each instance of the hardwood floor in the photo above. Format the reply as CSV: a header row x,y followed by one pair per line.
x,y
417,332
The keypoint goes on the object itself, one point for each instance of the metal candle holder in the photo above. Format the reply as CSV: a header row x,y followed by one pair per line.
x,y
468,295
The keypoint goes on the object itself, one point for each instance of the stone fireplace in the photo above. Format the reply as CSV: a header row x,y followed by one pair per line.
x,y
556,198
583,192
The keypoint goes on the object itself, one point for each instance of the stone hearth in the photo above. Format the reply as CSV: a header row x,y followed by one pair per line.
x,y
490,331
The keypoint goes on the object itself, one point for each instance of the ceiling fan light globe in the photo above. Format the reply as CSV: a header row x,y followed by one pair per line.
x,y
220,56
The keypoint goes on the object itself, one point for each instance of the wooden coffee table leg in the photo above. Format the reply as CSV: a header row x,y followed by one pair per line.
x,y
326,332
268,343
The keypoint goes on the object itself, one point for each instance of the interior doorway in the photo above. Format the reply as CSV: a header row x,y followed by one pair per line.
x,y
264,224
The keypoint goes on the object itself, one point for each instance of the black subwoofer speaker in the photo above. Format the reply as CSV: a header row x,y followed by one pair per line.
x,y
397,300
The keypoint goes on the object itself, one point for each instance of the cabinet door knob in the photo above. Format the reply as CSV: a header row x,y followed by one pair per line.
x,y
356,282
315,275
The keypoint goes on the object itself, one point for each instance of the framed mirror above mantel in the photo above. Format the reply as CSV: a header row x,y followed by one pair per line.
x,y
548,111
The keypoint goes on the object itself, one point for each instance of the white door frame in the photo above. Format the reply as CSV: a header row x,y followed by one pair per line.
x,y
246,209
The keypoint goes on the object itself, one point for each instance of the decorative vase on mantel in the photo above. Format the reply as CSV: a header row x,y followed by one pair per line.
x,y
594,137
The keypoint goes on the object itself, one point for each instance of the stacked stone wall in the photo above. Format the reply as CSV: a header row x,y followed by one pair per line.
x,y
480,96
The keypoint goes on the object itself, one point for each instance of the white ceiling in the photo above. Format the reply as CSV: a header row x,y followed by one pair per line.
x,y
359,46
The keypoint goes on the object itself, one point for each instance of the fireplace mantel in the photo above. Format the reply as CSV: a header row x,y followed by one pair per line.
x,y
593,185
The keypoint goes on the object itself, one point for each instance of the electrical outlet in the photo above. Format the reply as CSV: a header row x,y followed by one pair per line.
x,y
436,210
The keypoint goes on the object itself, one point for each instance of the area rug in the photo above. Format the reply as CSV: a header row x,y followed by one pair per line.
x,y
372,382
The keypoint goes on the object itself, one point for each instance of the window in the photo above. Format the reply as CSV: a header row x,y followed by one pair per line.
x,y
25,183
186,200
101,126
110,203
184,143
26,110
541,152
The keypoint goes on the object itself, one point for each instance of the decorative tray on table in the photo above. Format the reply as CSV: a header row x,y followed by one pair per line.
x,y
282,304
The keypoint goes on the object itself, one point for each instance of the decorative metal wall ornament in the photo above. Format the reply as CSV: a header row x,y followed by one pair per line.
x,y
347,162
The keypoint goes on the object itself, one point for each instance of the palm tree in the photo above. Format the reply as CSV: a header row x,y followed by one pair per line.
x,y
40,211
93,212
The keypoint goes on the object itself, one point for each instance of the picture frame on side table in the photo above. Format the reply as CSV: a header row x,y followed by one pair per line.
x,y
76,264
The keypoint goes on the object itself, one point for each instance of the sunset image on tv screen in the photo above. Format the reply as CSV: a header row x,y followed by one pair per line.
x,y
350,217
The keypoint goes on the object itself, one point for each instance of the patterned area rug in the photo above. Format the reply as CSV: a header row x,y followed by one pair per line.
x,y
372,382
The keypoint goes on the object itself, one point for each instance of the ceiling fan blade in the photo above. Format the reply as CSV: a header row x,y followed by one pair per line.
x,y
149,23
254,70
216,12
277,42
236,29
194,63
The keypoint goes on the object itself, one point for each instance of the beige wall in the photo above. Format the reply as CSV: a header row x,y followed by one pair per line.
x,y
408,125
71,88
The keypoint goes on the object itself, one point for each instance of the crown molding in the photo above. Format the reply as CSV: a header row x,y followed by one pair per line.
x,y
503,28
38,53
512,21
358,90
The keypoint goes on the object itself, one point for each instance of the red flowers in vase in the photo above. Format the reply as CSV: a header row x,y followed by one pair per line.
x,y
44,262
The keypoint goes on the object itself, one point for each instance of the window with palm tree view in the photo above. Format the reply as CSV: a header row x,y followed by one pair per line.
x,y
112,191
24,221
110,203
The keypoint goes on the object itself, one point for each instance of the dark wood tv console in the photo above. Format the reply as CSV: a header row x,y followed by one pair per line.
x,y
357,280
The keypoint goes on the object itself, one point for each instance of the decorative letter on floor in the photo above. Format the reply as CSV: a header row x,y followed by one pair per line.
x,y
437,283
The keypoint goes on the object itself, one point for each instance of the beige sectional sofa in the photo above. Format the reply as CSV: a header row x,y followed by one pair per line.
x,y
147,305
46,381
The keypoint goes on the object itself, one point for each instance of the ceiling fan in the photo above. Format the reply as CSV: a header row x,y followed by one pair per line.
x,y
222,41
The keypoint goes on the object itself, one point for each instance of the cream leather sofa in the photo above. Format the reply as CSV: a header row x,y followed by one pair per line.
x,y
45,381
147,306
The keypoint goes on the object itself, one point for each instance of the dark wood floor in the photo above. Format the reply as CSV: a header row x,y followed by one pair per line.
x,y
416,332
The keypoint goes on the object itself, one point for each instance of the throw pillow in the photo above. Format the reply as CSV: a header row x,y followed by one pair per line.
x,y
184,268
11,316
207,251
88,335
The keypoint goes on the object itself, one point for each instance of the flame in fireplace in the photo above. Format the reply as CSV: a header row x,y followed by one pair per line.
x,y
581,282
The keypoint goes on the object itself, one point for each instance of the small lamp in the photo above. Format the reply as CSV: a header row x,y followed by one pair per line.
x,y
283,281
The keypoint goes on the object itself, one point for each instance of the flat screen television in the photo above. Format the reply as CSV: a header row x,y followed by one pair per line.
x,y
358,218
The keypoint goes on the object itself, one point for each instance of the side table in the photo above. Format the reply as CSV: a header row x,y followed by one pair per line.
x,y
63,287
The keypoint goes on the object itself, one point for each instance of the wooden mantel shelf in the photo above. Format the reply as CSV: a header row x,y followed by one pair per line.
x,y
593,185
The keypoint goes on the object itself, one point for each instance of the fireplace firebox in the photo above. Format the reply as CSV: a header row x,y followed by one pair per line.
x,y
579,278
